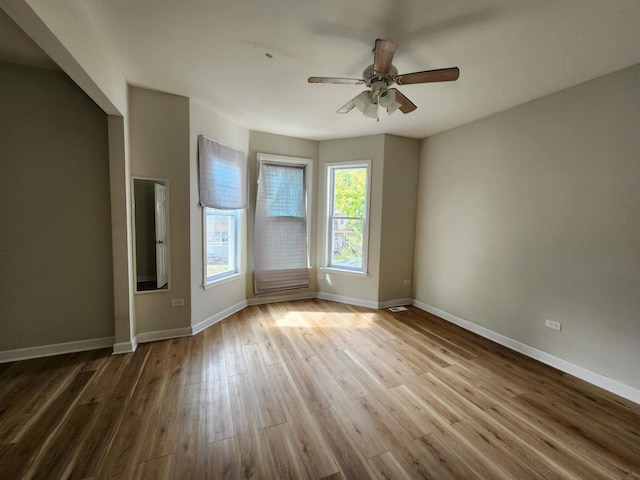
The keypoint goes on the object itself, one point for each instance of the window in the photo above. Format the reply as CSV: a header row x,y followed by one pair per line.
x,y
281,238
348,205
222,185
221,234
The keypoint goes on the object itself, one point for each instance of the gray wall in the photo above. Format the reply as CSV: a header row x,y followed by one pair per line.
x,y
534,213
159,139
213,301
399,196
56,279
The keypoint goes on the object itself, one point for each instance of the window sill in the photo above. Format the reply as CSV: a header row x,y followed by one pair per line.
x,y
343,271
221,281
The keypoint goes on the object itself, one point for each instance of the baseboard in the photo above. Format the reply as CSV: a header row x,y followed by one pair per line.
x,y
145,337
349,300
227,312
281,298
582,373
395,303
55,349
125,347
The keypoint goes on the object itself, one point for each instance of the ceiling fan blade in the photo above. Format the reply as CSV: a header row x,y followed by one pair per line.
x,y
383,56
347,107
406,105
344,81
441,75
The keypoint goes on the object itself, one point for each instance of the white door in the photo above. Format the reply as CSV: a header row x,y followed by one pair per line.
x,y
160,194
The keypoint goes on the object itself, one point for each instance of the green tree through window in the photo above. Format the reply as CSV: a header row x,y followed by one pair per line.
x,y
348,215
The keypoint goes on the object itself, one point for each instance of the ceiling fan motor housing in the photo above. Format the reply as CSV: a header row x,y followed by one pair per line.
x,y
371,77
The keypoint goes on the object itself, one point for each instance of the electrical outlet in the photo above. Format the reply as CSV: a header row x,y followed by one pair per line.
x,y
407,282
553,324
177,302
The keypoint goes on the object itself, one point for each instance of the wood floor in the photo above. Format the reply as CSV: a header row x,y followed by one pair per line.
x,y
310,390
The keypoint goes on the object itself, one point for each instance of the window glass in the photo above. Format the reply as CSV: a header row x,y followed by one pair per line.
x,y
220,243
348,203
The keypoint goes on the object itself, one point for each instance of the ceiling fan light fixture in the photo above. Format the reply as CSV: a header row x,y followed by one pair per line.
x,y
371,111
363,101
393,107
387,98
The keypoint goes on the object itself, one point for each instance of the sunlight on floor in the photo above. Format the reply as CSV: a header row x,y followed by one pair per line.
x,y
350,321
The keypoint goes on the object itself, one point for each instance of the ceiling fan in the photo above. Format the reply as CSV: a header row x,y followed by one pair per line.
x,y
380,76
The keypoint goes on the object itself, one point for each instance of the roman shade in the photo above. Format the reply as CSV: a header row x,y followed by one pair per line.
x,y
280,246
222,175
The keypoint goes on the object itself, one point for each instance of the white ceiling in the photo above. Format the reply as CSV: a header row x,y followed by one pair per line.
x,y
250,59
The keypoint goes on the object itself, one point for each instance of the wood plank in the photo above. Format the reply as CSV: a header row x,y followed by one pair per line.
x,y
130,438
112,405
371,361
408,410
352,465
309,388
284,452
565,458
600,460
232,335
221,460
213,337
190,434
493,448
363,435
337,363
518,448
419,462
18,411
269,408
218,411
386,467
621,450
253,452
307,442
155,469
165,421
24,453
194,367
450,348
441,399
57,459
262,332
464,389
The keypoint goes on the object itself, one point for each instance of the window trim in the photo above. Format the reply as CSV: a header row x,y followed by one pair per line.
x,y
331,166
307,164
223,277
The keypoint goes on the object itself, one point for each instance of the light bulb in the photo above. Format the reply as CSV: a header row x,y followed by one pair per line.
x,y
362,101
387,98
371,110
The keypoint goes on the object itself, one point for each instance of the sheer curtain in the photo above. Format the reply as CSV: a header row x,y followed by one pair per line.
x,y
280,245
222,175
